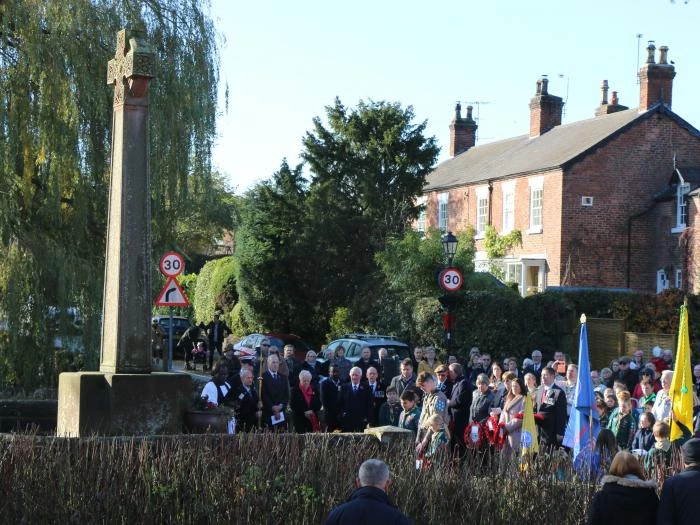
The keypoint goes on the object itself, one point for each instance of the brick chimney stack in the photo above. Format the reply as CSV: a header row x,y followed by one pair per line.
x,y
606,108
462,131
545,109
656,80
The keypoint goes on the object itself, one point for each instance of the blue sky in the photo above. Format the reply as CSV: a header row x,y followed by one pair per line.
x,y
285,61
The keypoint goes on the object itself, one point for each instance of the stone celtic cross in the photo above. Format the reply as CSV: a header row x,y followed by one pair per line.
x,y
126,308
132,66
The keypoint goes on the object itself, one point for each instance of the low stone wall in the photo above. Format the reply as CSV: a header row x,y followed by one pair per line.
x,y
19,415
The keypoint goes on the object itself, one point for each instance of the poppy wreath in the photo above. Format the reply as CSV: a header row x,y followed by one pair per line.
x,y
495,432
474,435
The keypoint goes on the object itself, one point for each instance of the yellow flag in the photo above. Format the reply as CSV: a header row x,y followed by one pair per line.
x,y
528,436
681,392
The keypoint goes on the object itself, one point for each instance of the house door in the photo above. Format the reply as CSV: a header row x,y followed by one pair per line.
x,y
661,281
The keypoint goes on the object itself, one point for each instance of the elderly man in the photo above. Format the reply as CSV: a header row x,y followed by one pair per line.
x,y
369,504
537,366
377,395
275,395
679,503
246,402
366,362
354,403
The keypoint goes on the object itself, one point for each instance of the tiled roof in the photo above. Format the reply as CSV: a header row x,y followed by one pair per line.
x,y
520,155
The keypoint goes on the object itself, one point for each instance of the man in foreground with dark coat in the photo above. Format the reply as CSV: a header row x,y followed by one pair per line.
x,y
551,411
680,504
459,405
369,504
354,403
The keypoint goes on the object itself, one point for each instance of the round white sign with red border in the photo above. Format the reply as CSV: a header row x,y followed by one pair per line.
x,y
172,264
451,279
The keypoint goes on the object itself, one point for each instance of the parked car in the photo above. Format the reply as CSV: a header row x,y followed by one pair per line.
x,y
159,335
354,343
252,342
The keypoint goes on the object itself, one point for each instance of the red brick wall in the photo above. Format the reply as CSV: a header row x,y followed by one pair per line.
x,y
622,177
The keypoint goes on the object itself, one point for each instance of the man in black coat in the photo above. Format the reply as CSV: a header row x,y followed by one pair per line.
x,y
275,394
625,374
216,332
330,395
246,402
680,504
366,362
459,404
354,403
551,411
377,396
369,504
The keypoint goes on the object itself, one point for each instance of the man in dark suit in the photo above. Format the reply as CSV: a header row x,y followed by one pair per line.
x,y
377,396
330,395
366,361
216,332
551,411
275,395
354,403
459,405
246,402
536,368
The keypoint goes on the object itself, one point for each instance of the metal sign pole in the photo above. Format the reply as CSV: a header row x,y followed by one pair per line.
x,y
168,362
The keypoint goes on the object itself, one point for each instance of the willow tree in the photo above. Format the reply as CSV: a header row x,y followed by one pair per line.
x,y
55,117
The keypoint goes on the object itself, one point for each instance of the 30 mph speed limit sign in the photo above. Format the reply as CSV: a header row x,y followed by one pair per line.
x,y
450,279
172,264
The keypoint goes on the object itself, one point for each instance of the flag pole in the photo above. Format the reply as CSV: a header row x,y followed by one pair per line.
x,y
590,415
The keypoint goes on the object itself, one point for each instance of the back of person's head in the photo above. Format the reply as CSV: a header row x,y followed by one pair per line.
x,y
373,473
606,442
625,463
424,377
456,368
661,430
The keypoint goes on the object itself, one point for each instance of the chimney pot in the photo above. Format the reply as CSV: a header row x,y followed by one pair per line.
x,y
545,82
650,52
604,89
469,112
663,54
458,111
614,101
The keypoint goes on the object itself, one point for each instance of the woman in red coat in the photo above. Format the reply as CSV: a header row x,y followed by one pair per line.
x,y
305,402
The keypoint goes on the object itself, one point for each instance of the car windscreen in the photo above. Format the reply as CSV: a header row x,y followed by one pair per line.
x,y
178,324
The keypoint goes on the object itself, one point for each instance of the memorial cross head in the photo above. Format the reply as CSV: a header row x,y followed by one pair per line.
x,y
132,66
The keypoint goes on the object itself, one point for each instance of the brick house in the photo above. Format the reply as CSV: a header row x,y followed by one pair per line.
x,y
606,202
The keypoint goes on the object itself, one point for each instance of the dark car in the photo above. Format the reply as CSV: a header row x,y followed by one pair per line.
x,y
354,343
160,325
252,342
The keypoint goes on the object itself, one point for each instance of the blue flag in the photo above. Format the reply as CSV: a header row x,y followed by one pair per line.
x,y
584,425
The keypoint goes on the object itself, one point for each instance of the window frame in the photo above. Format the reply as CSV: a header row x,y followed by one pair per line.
x,y
443,213
536,184
508,215
482,194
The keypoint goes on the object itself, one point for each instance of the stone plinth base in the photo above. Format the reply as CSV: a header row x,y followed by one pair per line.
x,y
97,403
391,435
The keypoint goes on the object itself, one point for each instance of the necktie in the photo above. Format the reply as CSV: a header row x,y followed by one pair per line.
x,y
354,389
274,376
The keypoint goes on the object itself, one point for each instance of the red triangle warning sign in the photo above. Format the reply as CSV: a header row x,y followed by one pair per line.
x,y
172,294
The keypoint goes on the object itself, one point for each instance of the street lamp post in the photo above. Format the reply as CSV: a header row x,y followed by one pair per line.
x,y
450,281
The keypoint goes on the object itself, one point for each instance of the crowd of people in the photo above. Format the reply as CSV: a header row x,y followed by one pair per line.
x,y
460,409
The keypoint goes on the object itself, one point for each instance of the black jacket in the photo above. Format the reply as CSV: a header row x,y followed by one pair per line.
x,y
297,403
354,407
274,392
246,404
680,499
624,500
368,506
553,411
459,404
330,395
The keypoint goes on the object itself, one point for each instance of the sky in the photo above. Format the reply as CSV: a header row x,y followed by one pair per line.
x,y
284,61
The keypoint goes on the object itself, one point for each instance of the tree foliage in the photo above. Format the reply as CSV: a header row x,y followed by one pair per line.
x,y
215,289
55,118
273,257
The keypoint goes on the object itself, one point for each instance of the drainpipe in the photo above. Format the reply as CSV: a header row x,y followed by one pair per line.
x,y
490,201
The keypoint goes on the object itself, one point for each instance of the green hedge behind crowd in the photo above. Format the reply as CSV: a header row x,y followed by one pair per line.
x,y
258,479
503,323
